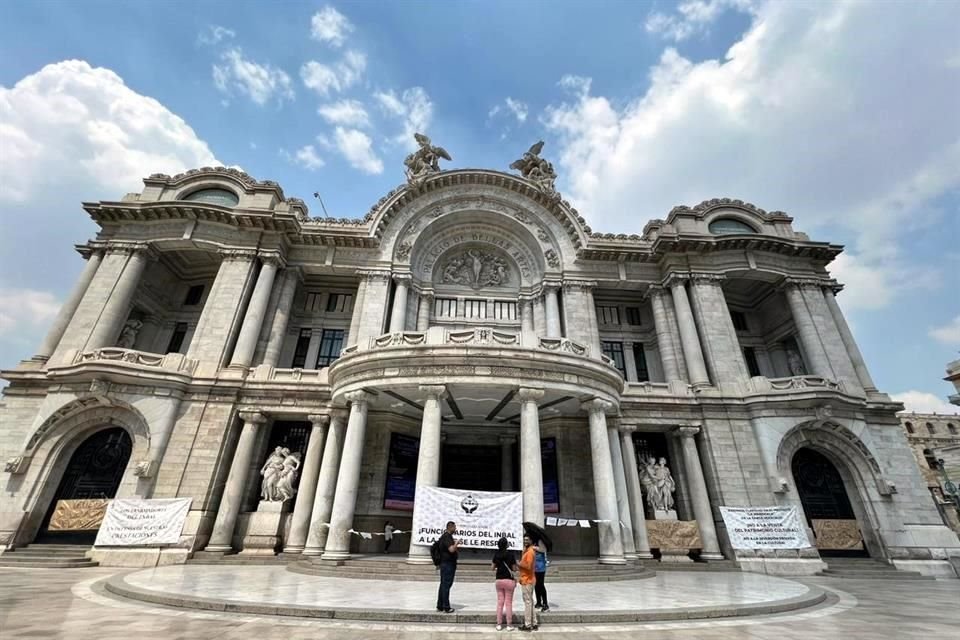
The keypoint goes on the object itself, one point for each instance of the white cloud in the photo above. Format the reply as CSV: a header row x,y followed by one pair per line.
x,y
828,111
518,108
24,311
338,77
413,107
307,158
259,82
330,26
923,402
948,333
345,112
70,123
215,34
694,17
357,148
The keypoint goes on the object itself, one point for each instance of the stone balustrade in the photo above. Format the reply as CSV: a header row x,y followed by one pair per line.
x,y
486,336
171,361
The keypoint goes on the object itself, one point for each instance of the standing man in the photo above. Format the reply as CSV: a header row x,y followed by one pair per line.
x,y
527,564
449,550
388,530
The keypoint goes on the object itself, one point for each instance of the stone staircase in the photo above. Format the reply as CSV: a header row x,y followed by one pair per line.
x,y
867,569
48,556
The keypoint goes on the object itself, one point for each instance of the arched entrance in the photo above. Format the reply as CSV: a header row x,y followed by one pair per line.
x,y
94,472
826,504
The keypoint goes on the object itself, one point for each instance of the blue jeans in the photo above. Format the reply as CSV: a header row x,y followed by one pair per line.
x,y
447,572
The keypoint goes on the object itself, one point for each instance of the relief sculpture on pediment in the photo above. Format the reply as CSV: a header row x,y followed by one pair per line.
x,y
475,268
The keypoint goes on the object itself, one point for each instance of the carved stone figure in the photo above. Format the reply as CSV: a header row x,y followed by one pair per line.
x,y
290,468
128,335
271,471
475,268
795,363
658,484
425,160
537,170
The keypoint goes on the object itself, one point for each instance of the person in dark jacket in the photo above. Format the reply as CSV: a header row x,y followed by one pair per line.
x,y
540,571
449,550
505,565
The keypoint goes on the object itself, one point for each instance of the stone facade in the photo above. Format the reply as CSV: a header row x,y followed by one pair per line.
x,y
474,310
935,438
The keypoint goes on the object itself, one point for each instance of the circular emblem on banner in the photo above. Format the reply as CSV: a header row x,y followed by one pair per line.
x,y
469,504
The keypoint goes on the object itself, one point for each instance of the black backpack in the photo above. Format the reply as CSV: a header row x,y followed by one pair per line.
x,y
435,553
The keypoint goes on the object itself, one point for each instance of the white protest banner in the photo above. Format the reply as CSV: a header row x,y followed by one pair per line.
x,y
136,521
765,528
482,517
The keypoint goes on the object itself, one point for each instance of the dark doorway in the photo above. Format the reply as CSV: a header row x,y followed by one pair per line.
x,y
823,495
473,467
94,471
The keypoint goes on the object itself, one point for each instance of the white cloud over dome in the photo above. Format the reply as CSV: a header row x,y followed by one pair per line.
x,y
923,402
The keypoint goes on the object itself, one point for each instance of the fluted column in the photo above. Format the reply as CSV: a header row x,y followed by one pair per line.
x,y
398,316
817,360
506,462
160,432
604,485
117,307
635,495
699,495
721,346
423,311
552,306
528,334
358,306
849,342
69,307
326,484
623,498
224,309
428,458
303,507
668,357
531,469
281,316
692,352
222,536
256,310
348,479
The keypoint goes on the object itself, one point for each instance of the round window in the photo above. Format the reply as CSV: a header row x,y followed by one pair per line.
x,y
729,225
214,196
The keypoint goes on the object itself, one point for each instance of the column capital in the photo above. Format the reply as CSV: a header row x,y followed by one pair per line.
x,y
89,250
675,279
596,405
357,397
274,258
530,395
655,291
426,294
626,427
143,249
433,390
237,255
253,417
799,282
507,439
374,274
319,420
403,278
708,278
686,432
550,285
584,285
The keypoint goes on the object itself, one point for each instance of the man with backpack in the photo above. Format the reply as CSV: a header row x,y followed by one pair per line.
x,y
444,553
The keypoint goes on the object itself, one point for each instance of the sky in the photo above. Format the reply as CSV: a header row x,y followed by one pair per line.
x,y
843,114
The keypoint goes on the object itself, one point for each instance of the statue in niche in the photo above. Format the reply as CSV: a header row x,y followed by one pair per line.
x,y
537,170
795,363
290,468
271,471
128,335
425,160
658,484
476,268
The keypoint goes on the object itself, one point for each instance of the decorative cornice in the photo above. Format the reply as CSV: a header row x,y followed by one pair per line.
x,y
717,203
816,283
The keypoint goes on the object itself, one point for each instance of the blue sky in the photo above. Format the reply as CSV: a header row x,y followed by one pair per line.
x,y
842,114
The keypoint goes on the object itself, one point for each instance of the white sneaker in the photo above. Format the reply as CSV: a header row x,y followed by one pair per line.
x,y
499,628
509,628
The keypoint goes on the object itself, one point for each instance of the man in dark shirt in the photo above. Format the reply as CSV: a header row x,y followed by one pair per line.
x,y
449,550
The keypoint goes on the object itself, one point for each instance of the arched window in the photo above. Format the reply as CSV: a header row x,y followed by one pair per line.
x,y
951,428
723,226
214,196
909,426
930,458
930,429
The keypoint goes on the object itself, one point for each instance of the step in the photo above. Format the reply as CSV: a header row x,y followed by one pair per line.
x,y
36,563
44,553
893,574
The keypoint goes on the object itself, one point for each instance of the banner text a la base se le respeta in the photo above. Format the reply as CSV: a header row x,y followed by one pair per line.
x,y
482,517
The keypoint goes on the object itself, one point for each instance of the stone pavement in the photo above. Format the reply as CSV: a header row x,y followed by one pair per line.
x,y
42,603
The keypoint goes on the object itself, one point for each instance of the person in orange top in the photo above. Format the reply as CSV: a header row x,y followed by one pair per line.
x,y
527,581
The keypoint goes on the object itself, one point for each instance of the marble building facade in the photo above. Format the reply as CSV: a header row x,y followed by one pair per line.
x,y
475,313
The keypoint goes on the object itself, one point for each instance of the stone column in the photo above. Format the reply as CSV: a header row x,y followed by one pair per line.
x,y
817,360
326,484
398,316
224,309
306,493
376,295
623,497
423,311
719,339
688,334
348,479
161,430
552,307
531,469
281,316
358,305
256,310
671,368
595,345
117,307
682,496
506,462
629,362
853,351
635,495
428,458
222,536
604,485
698,494
528,335
69,307
580,315
674,331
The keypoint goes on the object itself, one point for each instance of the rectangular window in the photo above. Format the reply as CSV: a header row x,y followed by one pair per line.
x,y
194,295
331,344
505,310
312,301
614,351
640,357
339,302
739,320
750,357
633,316
176,340
608,315
474,308
445,308
300,352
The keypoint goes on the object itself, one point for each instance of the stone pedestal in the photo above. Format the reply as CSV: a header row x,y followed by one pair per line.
x,y
264,527
665,515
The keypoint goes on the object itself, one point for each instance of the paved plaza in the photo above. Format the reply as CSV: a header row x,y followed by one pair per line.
x,y
39,603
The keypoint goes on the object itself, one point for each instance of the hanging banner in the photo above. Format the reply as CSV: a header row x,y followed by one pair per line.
x,y
401,472
131,522
482,517
551,482
765,528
